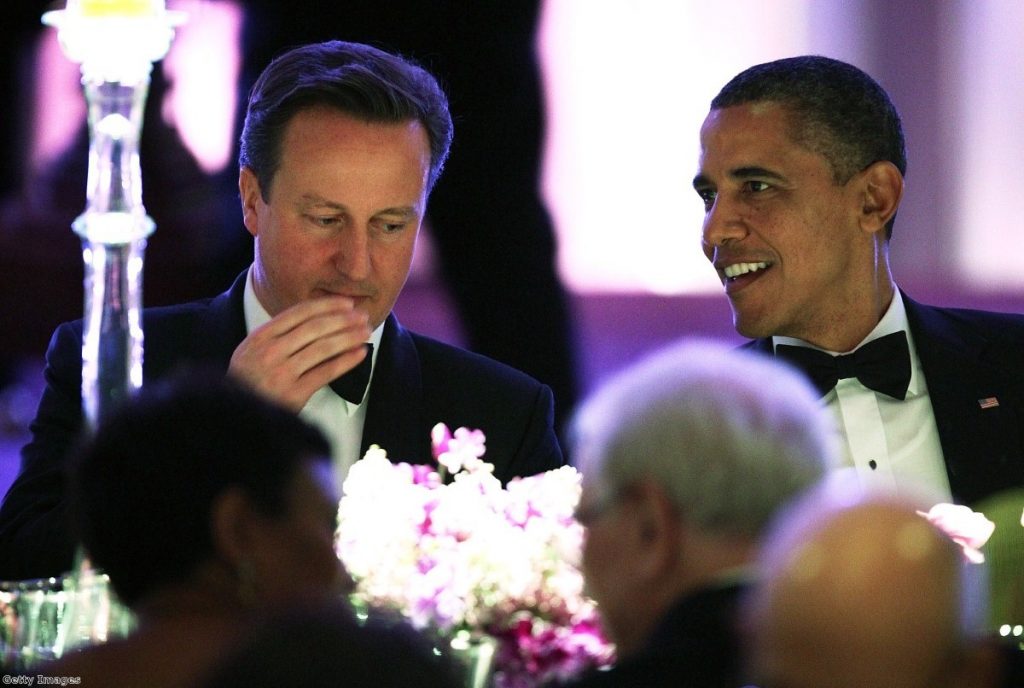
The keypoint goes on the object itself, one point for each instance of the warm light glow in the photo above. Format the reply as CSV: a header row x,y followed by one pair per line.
x,y
59,109
116,8
203,68
987,58
628,85
114,41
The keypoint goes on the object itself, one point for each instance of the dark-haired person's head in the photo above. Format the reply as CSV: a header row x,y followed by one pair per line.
x,y
356,79
199,481
341,146
801,174
834,109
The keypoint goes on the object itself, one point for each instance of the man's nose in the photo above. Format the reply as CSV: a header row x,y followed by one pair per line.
x,y
352,257
723,223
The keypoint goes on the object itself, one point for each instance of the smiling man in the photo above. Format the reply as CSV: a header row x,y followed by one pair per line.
x,y
341,147
801,172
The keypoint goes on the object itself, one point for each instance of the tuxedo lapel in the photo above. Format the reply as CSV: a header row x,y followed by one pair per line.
x,y
206,332
224,322
981,443
394,412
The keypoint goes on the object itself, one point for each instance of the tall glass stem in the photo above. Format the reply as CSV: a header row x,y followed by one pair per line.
x,y
113,229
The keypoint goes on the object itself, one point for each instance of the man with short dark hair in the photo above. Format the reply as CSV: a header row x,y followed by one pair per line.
x,y
801,172
341,147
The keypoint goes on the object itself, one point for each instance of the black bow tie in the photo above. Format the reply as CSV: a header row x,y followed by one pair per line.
x,y
882,364
352,385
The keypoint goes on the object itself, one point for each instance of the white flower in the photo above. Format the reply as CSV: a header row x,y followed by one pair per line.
x,y
968,528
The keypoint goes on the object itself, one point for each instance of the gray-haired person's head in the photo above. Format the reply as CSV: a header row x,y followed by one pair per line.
x,y
730,435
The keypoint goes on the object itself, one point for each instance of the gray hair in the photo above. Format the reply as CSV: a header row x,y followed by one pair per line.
x,y
730,435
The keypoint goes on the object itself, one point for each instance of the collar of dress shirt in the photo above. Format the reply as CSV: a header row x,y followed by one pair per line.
x,y
256,315
894,320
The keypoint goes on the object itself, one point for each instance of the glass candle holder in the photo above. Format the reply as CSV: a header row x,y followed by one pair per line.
x,y
116,43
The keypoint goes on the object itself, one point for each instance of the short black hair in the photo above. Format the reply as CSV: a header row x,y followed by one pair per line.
x,y
144,485
837,110
359,80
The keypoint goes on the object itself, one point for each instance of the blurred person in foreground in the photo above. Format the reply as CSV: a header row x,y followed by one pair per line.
x,y
341,147
686,457
327,647
858,589
208,507
801,171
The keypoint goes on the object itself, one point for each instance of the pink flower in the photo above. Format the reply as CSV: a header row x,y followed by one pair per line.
x,y
458,451
533,651
440,436
969,529
425,475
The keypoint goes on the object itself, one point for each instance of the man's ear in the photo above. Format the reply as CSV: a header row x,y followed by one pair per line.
x,y
252,197
232,522
881,188
659,530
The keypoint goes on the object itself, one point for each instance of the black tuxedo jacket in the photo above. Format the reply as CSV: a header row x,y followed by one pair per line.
x,y
968,356
695,645
417,382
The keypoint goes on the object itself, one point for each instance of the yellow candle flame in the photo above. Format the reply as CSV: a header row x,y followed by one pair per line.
x,y
117,8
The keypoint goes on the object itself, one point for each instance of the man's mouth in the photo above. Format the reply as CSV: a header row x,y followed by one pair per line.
x,y
737,269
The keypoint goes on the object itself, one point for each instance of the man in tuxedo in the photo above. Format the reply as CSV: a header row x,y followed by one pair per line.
x,y
341,146
686,457
859,590
801,172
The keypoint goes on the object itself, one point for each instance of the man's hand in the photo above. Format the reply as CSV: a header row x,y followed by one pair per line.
x,y
302,349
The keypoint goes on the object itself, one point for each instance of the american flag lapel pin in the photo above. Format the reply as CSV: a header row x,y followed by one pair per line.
x,y
988,402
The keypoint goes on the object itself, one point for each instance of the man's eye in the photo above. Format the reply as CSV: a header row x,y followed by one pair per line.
x,y
386,227
323,220
757,187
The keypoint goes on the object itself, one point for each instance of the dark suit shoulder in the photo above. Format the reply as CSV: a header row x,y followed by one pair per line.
x,y
439,358
205,331
693,645
987,336
973,320
515,411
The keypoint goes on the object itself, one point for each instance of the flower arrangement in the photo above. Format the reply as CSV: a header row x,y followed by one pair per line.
x,y
469,557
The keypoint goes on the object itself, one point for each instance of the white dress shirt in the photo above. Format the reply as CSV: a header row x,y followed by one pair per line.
x,y
341,421
892,445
